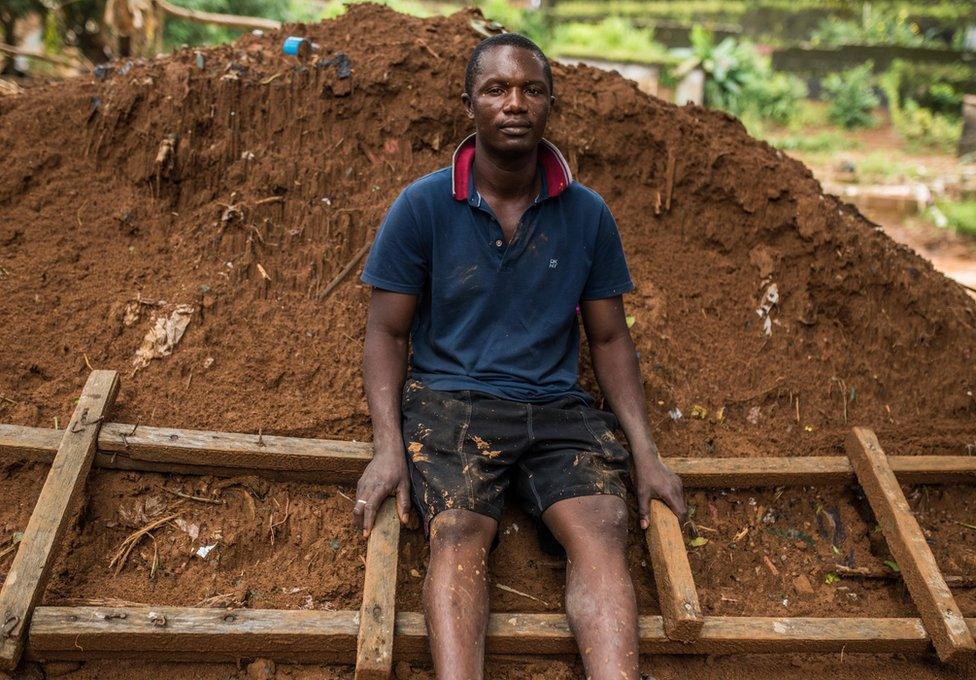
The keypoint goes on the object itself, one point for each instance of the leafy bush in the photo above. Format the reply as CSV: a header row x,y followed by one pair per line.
x,y
927,128
938,87
851,97
777,97
960,216
916,123
739,79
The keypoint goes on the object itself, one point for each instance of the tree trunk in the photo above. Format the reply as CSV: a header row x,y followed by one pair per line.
x,y
8,37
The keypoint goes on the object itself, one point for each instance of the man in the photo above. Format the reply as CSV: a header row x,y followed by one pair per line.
x,y
481,267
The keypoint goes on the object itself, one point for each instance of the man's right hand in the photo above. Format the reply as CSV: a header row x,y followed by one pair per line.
x,y
385,475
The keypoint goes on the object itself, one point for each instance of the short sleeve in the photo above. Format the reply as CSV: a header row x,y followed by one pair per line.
x,y
609,275
398,259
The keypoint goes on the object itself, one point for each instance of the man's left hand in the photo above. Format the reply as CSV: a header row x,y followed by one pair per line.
x,y
655,480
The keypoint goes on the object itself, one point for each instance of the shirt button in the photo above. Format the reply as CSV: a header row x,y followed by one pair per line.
x,y
498,243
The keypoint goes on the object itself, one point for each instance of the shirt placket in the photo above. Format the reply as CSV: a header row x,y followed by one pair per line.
x,y
505,252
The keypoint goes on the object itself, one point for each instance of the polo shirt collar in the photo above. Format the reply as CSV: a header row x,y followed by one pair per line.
x,y
556,173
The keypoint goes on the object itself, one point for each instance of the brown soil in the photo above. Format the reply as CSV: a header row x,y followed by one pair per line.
x,y
97,238
314,560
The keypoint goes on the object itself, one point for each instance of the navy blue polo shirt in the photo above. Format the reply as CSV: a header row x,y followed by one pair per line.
x,y
496,317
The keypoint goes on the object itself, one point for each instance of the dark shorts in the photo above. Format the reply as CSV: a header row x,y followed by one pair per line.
x,y
464,450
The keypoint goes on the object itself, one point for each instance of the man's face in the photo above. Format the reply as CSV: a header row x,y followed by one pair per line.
x,y
510,100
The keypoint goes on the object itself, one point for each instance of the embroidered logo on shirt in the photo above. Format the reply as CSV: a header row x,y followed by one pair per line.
x,y
553,263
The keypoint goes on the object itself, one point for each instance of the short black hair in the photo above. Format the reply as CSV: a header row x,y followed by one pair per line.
x,y
503,39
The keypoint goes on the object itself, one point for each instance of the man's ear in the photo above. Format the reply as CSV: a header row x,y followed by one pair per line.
x,y
466,100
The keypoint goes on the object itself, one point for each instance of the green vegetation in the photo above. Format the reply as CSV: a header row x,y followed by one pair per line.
x,y
739,79
877,25
851,96
701,10
937,87
614,39
960,216
921,126
827,142
179,32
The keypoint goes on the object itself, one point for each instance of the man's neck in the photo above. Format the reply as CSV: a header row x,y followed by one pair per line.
x,y
505,178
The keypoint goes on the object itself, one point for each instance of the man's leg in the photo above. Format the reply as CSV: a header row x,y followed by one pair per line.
x,y
456,593
600,599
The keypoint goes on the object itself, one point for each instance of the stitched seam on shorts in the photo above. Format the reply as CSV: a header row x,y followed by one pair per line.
x,y
528,418
599,441
531,480
460,448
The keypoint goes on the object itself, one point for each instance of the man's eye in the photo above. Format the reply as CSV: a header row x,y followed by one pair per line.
x,y
495,90
533,91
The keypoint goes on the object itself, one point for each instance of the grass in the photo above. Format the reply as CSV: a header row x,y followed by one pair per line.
x,y
826,141
614,39
961,216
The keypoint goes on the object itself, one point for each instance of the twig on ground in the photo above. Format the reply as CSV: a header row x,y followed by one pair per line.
x,y
509,589
432,53
345,270
272,526
125,547
180,494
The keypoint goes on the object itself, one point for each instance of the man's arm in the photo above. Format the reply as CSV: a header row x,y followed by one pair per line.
x,y
618,373
384,369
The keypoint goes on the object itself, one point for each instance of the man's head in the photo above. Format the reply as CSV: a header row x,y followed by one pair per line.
x,y
508,93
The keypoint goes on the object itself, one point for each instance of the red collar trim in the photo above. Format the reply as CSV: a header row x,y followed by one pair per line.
x,y
558,174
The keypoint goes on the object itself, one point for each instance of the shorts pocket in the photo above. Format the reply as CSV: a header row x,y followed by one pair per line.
x,y
598,424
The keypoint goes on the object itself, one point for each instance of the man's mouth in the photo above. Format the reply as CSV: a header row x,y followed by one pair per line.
x,y
516,129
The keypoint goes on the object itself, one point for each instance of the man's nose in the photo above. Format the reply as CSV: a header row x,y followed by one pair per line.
x,y
515,101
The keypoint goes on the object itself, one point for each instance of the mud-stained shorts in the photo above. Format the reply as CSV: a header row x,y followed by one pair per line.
x,y
465,448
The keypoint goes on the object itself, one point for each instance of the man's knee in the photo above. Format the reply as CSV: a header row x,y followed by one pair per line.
x,y
454,530
589,521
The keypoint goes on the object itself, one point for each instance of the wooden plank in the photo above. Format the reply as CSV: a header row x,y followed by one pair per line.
x,y
192,633
36,444
155,449
234,450
549,634
377,616
28,573
177,633
676,591
937,608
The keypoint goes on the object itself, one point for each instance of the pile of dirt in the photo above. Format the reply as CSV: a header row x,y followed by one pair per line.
x,y
238,182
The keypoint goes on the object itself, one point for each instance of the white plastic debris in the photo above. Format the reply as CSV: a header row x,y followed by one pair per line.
x,y
163,336
770,299
204,550
675,413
